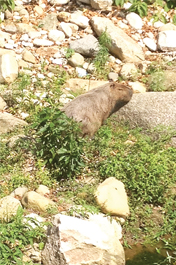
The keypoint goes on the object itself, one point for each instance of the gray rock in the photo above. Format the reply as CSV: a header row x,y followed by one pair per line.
x,y
87,46
101,4
49,22
167,40
148,110
124,47
8,122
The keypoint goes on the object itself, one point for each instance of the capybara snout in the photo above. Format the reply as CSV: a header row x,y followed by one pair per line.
x,y
94,107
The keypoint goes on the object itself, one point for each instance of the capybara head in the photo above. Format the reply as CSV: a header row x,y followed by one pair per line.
x,y
121,95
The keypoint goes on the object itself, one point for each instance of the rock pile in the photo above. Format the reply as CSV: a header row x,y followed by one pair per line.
x,y
95,240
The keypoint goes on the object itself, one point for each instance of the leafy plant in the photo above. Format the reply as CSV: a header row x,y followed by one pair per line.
x,y
58,142
139,7
7,4
103,54
15,235
69,53
120,2
147,173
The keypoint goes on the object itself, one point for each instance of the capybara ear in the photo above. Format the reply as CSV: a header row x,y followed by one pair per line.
x,y
112,85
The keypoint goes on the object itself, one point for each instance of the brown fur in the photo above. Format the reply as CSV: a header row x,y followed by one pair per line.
x,y
94,107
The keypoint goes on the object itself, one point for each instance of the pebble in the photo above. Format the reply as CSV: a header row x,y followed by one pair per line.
x,y
81,72
42,42
150,44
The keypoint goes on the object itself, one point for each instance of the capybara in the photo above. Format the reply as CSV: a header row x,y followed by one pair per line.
x,y
94,107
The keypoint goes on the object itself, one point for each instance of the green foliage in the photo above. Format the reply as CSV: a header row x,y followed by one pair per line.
x,y
139,7
15,236
174,19
140,162
7,4
69,53
58,142
103,54
120,2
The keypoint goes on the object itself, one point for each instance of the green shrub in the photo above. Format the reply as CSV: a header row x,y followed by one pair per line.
x,y
146,166
15,236
7,4
103,54
58,142
139,7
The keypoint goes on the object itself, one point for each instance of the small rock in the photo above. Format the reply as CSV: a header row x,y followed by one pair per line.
x,y
64,16
66,29
151,45
101,4
137,87
8,122
43,190
112,198
49,22
56,35
81,72
38,10
42,42
8,14
158,24
76,60
134,20
167,40
128,70
28,56
8,68
8,208
11,28
168,26
58,2
34,34
19,192
80,20
113,76
24,37
24,28
87,46
35,201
